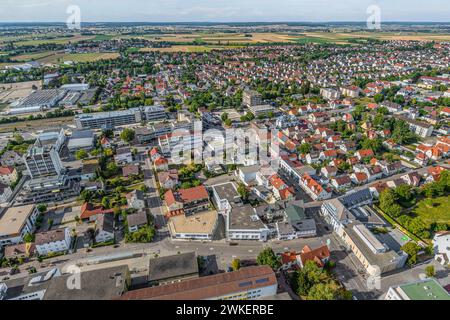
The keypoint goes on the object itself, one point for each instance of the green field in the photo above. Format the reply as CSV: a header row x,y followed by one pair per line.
x,y
33,56
62,40
435,210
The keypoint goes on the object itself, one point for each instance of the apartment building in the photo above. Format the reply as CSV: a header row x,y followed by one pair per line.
x,y
53,241
16,222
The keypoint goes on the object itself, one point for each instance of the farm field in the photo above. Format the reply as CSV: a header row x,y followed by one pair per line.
x,y
185,48
434,210
306,37
58,57
62,40
33,56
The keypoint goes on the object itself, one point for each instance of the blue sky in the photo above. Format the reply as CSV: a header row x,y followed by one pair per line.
x,y
224,10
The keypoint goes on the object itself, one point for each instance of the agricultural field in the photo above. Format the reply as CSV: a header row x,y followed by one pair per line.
x,y
33,56
435,210
90,57
62,40
185,48
307,37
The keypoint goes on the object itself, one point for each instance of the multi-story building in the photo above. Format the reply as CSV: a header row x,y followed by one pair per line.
x,y
111,119
187,201
246,284
48,189
8,175
376,257
259,110
16,222
42,159
251,98
53,241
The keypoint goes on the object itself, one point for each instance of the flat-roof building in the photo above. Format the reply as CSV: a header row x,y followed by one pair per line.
x,y
428,289
16,222
111,119
171,269
200,226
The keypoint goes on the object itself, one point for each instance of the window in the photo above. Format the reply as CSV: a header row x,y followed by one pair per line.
x,y
264,280
245,284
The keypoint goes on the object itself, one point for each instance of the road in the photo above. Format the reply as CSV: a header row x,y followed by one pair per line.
x,y
154,201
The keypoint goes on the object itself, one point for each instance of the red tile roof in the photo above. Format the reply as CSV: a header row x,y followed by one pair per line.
x,y
6,170
316,255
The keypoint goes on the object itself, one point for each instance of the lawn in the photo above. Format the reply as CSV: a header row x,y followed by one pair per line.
x,y
435,210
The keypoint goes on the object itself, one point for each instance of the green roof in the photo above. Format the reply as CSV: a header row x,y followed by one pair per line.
x,y
425,290
295,213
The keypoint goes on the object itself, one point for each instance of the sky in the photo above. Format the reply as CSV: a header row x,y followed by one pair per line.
x,y
223,10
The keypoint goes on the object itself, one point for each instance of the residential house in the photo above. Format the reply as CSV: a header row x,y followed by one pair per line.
x,y
137,220
10,159
161,164
123,156
104,228
320,256
363,154
168,179
359,178
313,188
130,170
53,241
8,175
187,201
136,200
329,172
342,182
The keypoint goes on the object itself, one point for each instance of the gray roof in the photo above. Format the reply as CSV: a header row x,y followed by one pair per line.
x,y
105,222
353,199
245,218
227,191
174,266
100,284
24,285
137,219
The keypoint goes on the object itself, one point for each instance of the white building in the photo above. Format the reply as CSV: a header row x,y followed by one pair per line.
x,y
441,246
428,289
16,222
53,241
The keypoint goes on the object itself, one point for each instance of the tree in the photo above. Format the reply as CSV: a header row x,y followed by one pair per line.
x,y
268,257
304,148
106,202
322,291
430,271
243,191
236,264
378,98
42,208
81,154
224,116
388,199
127,135
28,238
404,192
411,249
228,122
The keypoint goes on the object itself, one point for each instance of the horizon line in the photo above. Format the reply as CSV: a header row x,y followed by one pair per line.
x,y
231,22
